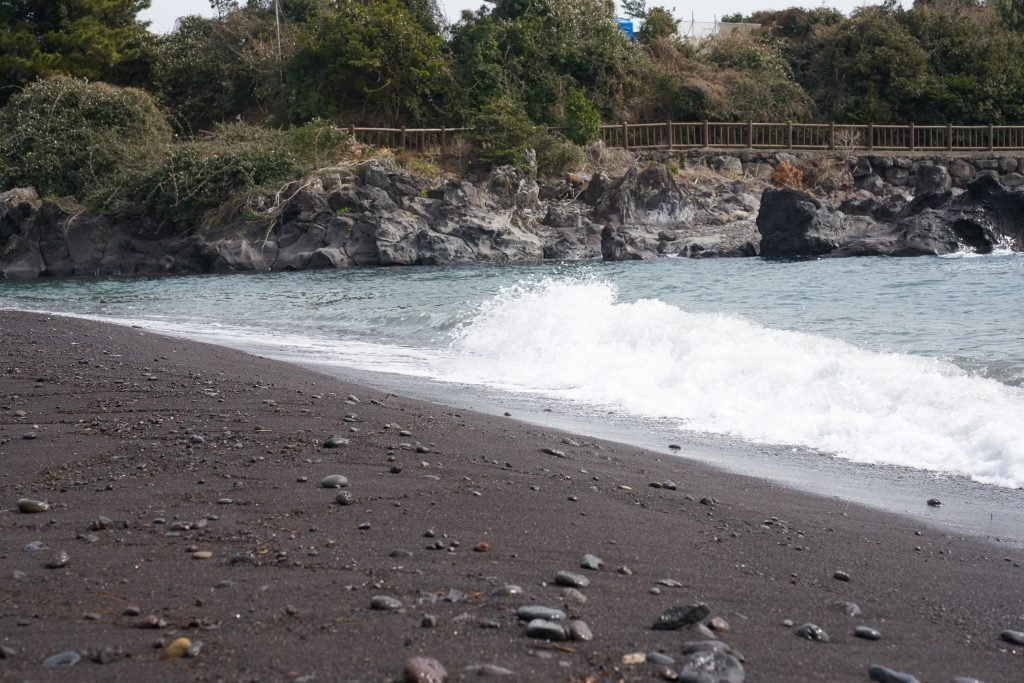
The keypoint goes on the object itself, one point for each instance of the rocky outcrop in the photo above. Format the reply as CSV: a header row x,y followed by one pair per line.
x,y
986,216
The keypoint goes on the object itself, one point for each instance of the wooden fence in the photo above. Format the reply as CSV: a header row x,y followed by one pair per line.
x,y
749,135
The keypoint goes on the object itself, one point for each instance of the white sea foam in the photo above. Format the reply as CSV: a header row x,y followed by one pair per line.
x,y
573,339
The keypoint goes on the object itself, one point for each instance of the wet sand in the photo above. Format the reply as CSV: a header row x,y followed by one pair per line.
x,y
154,452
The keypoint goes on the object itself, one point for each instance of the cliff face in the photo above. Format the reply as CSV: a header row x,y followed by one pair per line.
x,y
378,214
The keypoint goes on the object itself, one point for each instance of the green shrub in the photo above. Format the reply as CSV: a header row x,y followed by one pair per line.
x,y
68,137
318,143
235,160
501,133
581,118
556,155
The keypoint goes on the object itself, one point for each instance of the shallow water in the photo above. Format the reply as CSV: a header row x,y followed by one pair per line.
x,y
907,365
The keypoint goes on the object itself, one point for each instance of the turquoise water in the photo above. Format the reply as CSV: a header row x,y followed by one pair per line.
x,y
915,363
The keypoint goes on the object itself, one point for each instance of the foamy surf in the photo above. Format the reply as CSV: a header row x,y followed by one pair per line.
x,y
572,338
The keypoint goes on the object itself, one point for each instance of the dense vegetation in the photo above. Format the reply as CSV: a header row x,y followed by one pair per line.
x,y
225,85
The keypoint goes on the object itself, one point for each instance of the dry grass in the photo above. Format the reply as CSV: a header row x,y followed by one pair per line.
x,y
788,175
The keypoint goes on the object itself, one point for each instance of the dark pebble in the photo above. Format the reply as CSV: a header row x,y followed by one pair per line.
x,y
344,498
669,484
59,561
1013,637
681,615
867,633
841,576
883,674
398,552
934,502
571,579
534,612
675,446
549,630
428,621
334,481
553,451
385,603
813,632
660,659
7,652
578,630
335,442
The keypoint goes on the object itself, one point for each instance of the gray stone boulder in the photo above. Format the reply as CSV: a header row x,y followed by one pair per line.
x,y
793,224
931,180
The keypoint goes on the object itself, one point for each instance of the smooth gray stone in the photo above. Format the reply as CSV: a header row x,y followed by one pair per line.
x,y
850,609
883,674
867,633
553,451
58,561
660,659
62,659
591,562
508,590
578,630
385,602
965,679
711,667
334,481
335,442
692,646
813,632
572,580
35,547
678,616
1013,637
531,612
542,628
344,498
30,505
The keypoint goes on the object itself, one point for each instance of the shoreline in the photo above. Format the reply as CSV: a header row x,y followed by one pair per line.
x,y
296,574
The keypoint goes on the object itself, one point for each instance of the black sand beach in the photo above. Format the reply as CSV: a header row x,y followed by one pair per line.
x,y
183,483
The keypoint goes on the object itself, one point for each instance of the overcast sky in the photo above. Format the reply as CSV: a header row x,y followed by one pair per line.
x,y
163,13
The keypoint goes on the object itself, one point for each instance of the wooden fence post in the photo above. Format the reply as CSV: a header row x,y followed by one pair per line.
x,y
832,135
991,137
401,143
750,134
444,138
949,137
668,129
789,135
352,133
625,135
871,136
910,129
707,134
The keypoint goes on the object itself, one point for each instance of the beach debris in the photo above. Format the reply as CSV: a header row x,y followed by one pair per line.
x,y
424,670
592,562
385,603
335,442
344,498
679,616
634,658
30,505
867,633
1013,637
934,502
813,632
62,660
548,630
840,575
20,413
177,649
571,579
202,555
553,451
334,481
883,674
59,561
532,612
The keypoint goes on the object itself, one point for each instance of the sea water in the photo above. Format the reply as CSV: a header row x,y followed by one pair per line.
x,y
880,369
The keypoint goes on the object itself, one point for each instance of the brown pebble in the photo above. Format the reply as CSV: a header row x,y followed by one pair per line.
x,y
718,624
424,670
482,547
177,649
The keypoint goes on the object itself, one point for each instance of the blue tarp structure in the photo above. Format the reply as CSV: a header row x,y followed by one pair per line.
x,y
627,27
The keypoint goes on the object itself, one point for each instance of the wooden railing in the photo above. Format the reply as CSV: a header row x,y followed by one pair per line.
x,y
746,135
